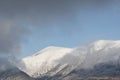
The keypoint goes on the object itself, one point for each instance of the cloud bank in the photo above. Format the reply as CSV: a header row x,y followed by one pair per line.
x,y
17,15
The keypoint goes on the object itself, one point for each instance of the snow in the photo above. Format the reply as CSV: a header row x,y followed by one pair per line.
x,y
58,60
43,61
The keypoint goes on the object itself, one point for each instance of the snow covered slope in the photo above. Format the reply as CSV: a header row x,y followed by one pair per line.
x,y
42,63
53,61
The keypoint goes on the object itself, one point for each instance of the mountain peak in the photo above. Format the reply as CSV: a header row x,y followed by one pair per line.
x,y
52,47
59,60
45,61
53,50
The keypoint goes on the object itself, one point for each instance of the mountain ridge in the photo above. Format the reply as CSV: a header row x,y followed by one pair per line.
x,y
51,60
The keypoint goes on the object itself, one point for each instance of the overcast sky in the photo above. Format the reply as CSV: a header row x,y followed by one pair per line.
x,y
27,26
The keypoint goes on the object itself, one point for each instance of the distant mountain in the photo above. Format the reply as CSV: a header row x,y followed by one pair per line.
x,y
59,61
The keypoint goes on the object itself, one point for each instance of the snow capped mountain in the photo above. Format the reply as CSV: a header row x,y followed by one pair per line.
x,y
53,61
43,62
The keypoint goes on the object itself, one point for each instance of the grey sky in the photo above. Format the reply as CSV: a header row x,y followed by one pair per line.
x,y
19,18
16,15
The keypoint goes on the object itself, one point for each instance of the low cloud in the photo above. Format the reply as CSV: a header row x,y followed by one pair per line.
x,y
11,35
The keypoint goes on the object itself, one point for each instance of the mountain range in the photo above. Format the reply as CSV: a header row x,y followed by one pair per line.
x,y
97,59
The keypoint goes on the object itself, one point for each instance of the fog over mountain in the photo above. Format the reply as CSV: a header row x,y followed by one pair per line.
x,y
98,59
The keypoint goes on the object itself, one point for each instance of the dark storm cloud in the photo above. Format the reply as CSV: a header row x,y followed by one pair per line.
x,y
47,12
11,35
15,14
